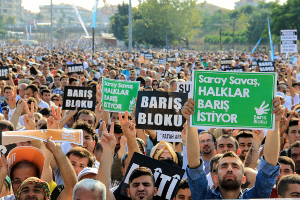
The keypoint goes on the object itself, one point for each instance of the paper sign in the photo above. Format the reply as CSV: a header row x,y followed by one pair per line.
x,y
119,96
171,59
298,77
58,135
185,87
235,69
169,136
148,56
266,66
160,110
82,97
225,62
167,177
3,73
162,61
75,68
237,100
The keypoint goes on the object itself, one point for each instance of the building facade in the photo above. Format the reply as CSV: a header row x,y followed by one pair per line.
x,y
241,3
11,7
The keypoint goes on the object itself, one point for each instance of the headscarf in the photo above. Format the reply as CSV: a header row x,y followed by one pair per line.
x,y
168,148
34,180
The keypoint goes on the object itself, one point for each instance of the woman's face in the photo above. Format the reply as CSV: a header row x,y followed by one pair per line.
x,y
155,85
122,78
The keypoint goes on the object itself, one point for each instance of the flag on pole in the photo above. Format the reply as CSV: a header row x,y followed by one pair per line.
x,y
27,35
34,23
80,20
256,45
30,30
95,14
271,43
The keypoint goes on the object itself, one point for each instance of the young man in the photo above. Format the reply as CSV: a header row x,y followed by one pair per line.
x,y
245,139
207,143
183,192
294,153
32,91
33,188
230,169
289,187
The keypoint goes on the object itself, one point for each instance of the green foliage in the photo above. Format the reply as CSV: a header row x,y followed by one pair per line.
x,y
10,20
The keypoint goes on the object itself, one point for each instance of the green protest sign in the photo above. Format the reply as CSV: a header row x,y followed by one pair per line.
x,y
119,96
234,99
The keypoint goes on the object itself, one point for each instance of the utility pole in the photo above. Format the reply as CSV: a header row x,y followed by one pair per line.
x,y
228,23
130,29
221,39
51,27
233,25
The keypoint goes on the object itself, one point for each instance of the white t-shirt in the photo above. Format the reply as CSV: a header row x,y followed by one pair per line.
x,y
43,104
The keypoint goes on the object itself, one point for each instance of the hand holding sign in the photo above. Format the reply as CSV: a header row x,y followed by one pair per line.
x,y
278,109
188,109
51,145
108,140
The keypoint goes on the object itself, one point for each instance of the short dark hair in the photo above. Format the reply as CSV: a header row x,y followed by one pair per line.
x,y
81,153
86,127
33,87
8,88
117,127
214,159
87,112
71,80
244,134
293,122
183,185
232,155
287,161
285,181
45,91
6,125
289,151
141,171
124,157
45,111
23,164
207,132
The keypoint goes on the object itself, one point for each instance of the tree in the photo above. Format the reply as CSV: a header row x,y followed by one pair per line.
x,y
119,21
10,20
39,16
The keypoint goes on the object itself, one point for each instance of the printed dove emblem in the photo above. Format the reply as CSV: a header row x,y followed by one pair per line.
x,y
262,109
132,102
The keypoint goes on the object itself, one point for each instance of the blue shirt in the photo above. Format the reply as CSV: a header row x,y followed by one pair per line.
x,y
265,180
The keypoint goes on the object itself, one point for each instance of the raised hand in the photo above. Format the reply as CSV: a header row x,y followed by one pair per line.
x,y
108,140
278,109
258,135
3,166
284,121
56,116
99,111
12,99
99,94
127,126
51,145
188,109
30,112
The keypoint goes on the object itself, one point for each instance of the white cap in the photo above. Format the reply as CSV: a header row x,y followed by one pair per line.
x,y
87,170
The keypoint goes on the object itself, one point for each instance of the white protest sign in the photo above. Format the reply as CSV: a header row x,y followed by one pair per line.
x,y
298,77
185,87
288,41
169,136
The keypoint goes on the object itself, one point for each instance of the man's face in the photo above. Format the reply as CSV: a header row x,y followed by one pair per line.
x,y
118,138
32,191
78,163
226,131
244,145
64,81
46,97
112,74
230,173
183,194
148,82
114,117
7,93
295,155
143,73
284,170
88,142
20,174
294,134
89,118
57,81
43,80
142,188
22,91
86,194
45,70
28,93
226,144
132,76
206,143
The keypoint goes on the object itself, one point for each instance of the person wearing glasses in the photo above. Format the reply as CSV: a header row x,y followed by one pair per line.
x,y
155,85
55,99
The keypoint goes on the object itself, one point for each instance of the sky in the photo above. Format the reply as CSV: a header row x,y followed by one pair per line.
x,y
88,4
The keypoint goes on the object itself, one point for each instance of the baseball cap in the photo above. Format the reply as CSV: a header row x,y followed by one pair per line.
x,y
87,170
31,154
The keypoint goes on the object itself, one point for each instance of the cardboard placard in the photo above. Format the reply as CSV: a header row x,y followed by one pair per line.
x,y
185,87
169,136
224,62
3,73
160,110
266,66
171,59
148,56
82,97
162,61
58,135
298,77
166,176
223,98
235,69
119,96
75,68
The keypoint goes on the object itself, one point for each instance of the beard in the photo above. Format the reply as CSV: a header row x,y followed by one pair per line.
x,y
230,185
206,149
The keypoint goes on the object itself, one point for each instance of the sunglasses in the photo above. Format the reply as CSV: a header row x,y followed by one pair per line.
x,y
55,99
155,84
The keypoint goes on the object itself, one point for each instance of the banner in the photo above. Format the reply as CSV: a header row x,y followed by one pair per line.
x,y
266,66
148,56
236,100
288,41
82,97
3,73
162,61
185,87
167,177
160,110
169,136
235,69
225,62
80,20
119,96
75,68
256,45
171,59
58,135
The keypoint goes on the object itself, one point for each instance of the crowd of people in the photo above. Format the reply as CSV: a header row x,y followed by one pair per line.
x,y
218,163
